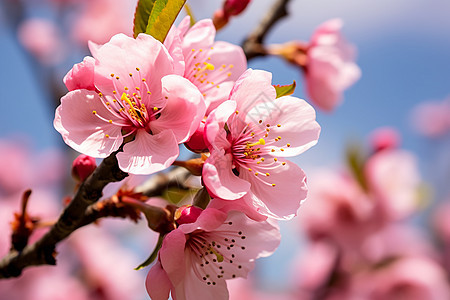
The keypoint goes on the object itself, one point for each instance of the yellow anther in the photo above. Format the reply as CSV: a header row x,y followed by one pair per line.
x,y
288,145
155,108
260,121
137,69
273,150
127,100
94,112
117,77
110,121
125,88
229,74
112,74
258,162
261,141
224,66
114,92
273,184
267,174
100,94
281,149
106,135
283,163
262,158
209,66
193,50
148,92
278,125
138,89
131,74
201,50
275,159
256,173
231,66
237,113
217,86
143,79
268,125
250,169
107,103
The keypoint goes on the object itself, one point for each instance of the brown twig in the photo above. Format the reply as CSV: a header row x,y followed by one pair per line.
x,y
253,45
43,251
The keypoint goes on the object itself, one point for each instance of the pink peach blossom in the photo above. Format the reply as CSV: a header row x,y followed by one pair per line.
x,y
249,136
99,20
42,39
338,210
330,67
432,118
393,181
135,95
212,67
197,259
412,278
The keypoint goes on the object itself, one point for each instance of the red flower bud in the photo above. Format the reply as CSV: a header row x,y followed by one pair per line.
x,y
83,166
187,214
197,143
234,7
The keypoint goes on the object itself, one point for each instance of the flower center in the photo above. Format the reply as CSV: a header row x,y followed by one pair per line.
x,y
130,108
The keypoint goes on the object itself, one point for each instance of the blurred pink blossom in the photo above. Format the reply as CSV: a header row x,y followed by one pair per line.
x,y
393,180
338,209
97,252
412,278
432,118
42,39
101,19
330,67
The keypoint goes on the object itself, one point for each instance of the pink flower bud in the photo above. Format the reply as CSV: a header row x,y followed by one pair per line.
x,y
187,214
83,166
219,19
197,143
384,138
234,7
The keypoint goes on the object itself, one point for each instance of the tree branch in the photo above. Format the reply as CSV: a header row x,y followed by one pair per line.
x,y
43,252
253,44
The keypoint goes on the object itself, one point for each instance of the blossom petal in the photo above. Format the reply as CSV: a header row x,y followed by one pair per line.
x,y
293,125
81,76
214,126
148,153
198,36
208,220
219,178
123,56
157,283
253,87
280,194
184,109
172,256
84,131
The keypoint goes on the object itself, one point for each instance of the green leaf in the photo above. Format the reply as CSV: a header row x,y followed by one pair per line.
x,y
285,90
162,16
188,10
141,16
152,256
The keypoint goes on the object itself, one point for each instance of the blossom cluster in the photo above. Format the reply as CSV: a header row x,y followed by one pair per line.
x,y
141,99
